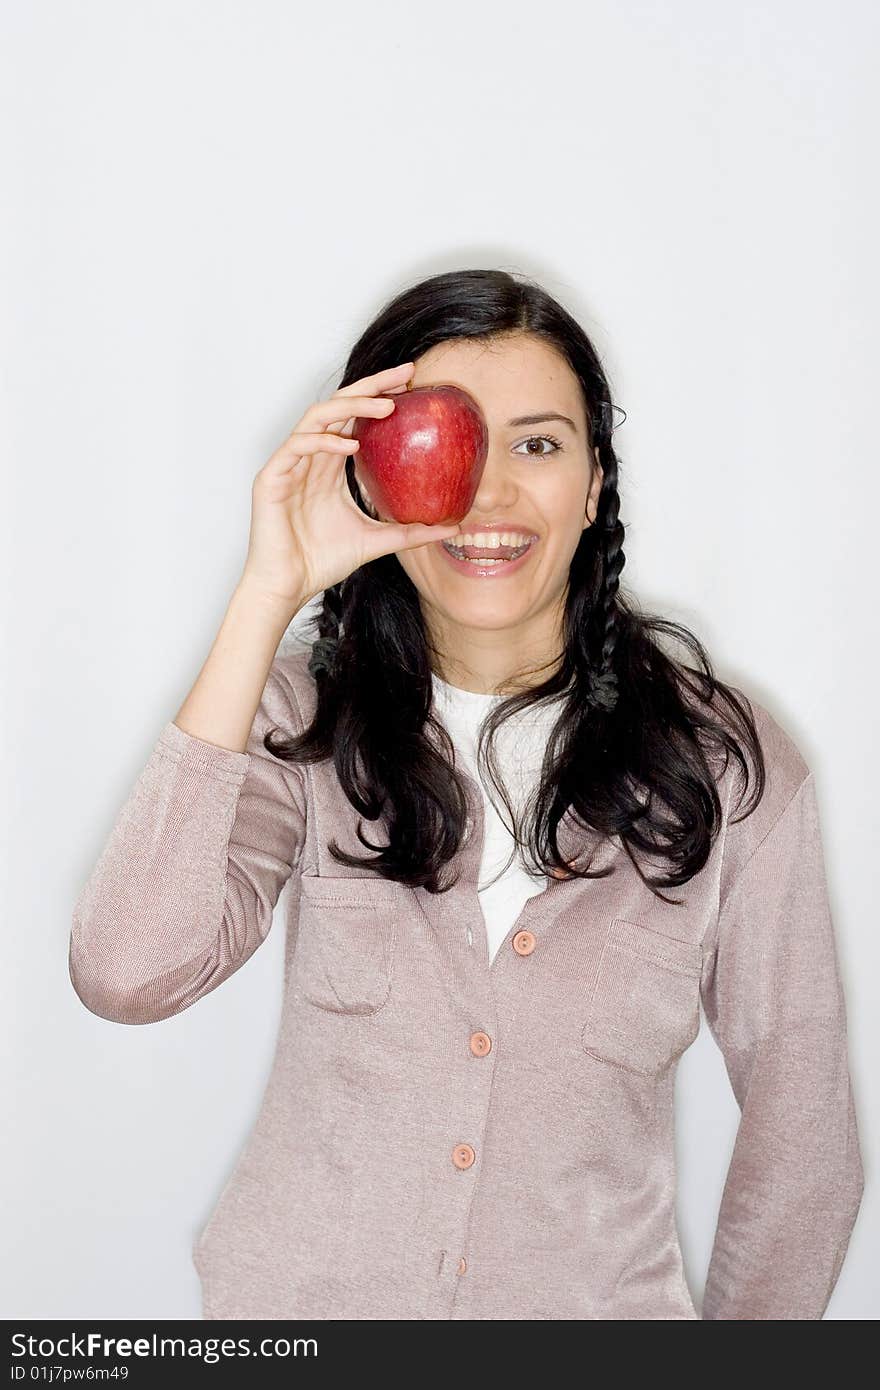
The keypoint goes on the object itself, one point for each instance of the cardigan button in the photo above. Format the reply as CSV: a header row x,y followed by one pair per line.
x,y
480,1044
463,1156
524,943
462,1265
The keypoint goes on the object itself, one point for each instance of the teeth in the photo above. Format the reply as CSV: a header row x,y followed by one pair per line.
x,y
492,539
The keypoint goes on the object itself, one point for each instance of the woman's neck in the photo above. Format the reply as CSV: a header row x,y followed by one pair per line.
x,y
495,661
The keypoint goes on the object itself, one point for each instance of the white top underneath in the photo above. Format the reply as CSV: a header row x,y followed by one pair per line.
x,y
520,745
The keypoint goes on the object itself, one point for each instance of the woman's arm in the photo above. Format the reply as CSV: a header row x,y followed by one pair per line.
x,y
184,889
222,704
774,1002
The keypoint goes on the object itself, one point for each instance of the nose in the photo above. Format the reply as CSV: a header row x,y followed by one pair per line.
x,y
496,489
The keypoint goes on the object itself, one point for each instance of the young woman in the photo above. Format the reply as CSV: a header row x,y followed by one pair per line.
x,y
470,1113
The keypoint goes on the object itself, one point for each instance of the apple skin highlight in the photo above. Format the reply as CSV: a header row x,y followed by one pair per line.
x,y
424,461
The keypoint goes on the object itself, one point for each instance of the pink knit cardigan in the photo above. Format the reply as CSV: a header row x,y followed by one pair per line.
x,y
445,1138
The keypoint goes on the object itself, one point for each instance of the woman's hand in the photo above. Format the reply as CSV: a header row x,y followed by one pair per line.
x,y
307,532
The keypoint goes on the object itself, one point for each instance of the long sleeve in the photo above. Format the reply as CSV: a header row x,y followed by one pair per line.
x,y
184,889
774,1003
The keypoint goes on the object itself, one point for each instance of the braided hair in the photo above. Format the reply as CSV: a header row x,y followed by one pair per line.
x,y
603,685
324,648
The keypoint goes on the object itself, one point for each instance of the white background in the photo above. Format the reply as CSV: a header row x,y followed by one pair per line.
x,y
205,203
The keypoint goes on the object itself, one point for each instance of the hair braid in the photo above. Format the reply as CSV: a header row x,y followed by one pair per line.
x,y
324,647
604,687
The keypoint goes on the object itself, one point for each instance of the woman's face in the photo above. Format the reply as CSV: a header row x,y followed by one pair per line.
x,y
540,478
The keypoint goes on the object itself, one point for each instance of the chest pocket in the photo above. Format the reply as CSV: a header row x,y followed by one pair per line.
x,y
346,940
645,1007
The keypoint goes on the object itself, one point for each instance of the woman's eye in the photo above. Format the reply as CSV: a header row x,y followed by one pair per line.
x,y
541,439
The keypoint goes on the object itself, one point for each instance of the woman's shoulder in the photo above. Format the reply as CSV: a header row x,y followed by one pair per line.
x,y
780,747
785,770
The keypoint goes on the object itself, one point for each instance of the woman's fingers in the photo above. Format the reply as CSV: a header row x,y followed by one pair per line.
x,y
303,445
378,386
323,430
379,381
326,413
396,536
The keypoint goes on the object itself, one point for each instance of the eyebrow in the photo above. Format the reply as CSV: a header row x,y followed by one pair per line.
x,y
541,418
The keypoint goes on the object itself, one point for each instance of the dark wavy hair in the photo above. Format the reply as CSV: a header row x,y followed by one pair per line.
x,y
638,733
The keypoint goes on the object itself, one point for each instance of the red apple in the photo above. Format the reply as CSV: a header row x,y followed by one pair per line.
x,y
424,461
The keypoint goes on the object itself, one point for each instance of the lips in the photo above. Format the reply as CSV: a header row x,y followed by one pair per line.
x,y
522,535
489,565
